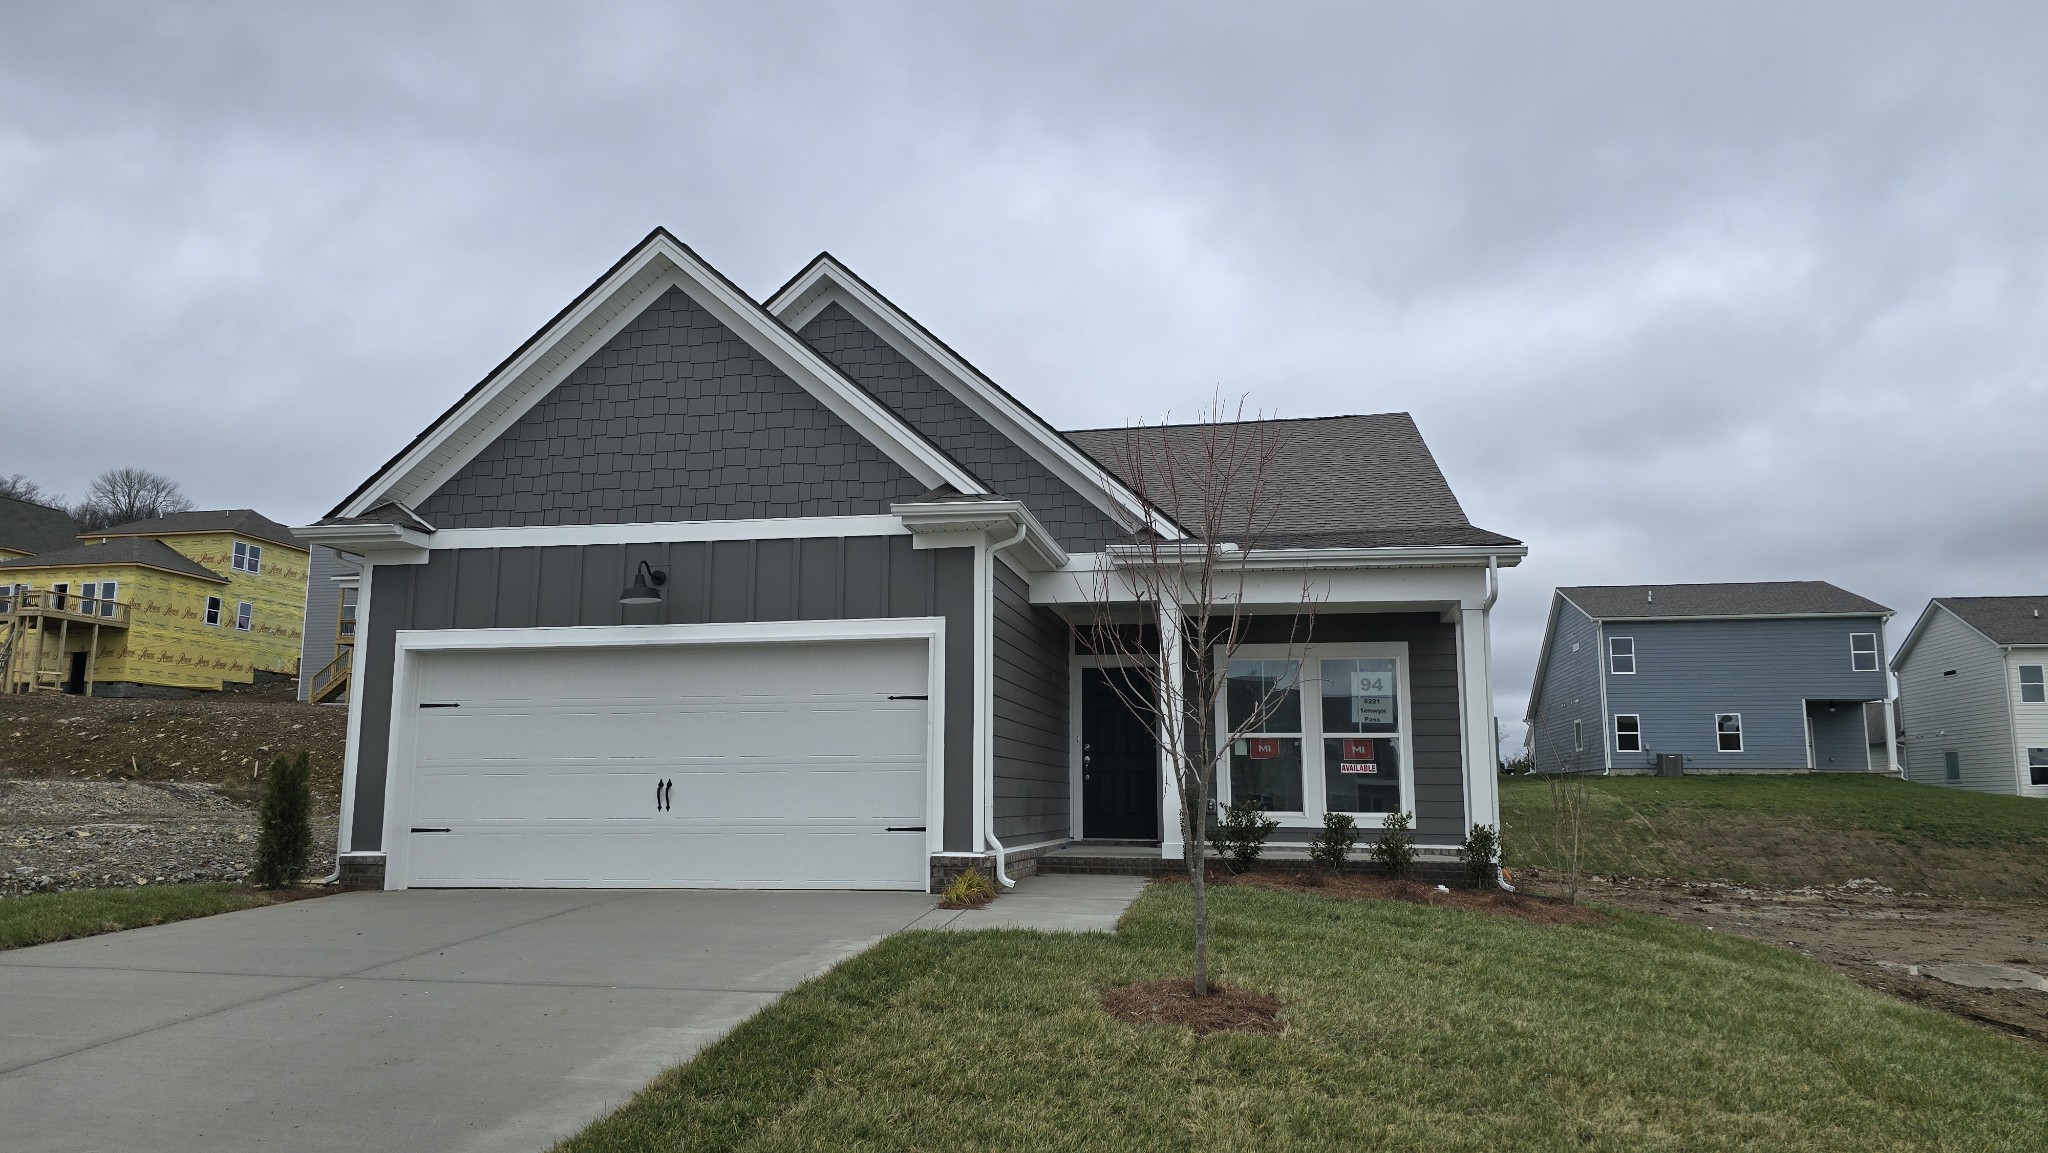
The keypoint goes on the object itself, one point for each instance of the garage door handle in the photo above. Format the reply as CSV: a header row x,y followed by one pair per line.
x,y
910,697
664,795
418,830
440,704
904,829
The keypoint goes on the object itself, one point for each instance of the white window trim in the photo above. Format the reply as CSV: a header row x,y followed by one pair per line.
x,y
215,608
249,616
1313,786
1638,734
1739,740
409,643
248,558
2020,683
1612,656
1876,658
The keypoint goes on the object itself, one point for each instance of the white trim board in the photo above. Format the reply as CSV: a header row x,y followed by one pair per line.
x,y
405,690
669,532
827,282
659,264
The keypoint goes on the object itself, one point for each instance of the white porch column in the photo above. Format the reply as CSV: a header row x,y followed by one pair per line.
x,y
358,667
1891,735
1171,712
1475,706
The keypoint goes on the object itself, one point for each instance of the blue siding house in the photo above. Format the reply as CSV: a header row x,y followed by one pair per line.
x,y
1734,677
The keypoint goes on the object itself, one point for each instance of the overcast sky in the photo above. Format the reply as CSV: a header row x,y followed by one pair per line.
x,y
1734,292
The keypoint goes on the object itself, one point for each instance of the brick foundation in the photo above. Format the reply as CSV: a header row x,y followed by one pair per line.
x,y
361,871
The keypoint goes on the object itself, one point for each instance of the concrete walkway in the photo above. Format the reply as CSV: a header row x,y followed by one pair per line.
x,y
1055,902
493,1019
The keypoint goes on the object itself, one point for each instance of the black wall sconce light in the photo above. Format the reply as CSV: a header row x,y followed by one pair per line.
x,y
646,586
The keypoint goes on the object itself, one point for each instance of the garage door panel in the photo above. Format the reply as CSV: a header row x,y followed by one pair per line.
x,y
789,764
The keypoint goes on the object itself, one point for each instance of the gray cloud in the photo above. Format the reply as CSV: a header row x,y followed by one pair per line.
x,y
1721,292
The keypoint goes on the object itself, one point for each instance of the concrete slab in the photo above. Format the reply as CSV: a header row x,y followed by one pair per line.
x,y
1975,976
414,1020
1053,902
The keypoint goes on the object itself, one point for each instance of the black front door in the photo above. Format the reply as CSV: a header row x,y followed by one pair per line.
x,y
1119,760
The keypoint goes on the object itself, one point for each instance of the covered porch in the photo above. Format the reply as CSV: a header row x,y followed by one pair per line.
x,y
50,639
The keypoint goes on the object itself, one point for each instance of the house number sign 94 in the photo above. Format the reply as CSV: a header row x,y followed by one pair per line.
x,y
1372,697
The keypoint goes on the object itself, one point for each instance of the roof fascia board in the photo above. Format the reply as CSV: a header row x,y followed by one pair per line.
x,y
376,542
933,520
1448,556
827,281
105,536
114,564
1885,614
616,301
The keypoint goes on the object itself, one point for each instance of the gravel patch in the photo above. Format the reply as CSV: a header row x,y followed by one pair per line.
x,y
58,835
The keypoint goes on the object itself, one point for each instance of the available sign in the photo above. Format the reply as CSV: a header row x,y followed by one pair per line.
x,y
1359,767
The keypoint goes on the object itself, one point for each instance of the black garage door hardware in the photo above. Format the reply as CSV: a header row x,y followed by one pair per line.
x,y
418,830
440,704
904,829
910,697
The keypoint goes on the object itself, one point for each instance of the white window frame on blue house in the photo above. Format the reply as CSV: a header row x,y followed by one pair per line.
x,y
1615,656
1859,654
1719,732
1634,732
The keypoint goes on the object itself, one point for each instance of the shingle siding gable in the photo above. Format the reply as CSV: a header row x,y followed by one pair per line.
x,y
928,406
676,418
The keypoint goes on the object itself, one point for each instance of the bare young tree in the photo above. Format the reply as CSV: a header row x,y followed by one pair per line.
x,y
121,495
1215,479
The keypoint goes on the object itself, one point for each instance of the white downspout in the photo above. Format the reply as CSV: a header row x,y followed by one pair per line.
x,y
986,661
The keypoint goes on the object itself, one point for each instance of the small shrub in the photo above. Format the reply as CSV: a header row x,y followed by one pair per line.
x,y
285,823
1240,837
1332,846
1394,851
969,889
1482,856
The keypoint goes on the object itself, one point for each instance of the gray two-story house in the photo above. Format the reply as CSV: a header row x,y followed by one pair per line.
x,y
1733,677
1973,695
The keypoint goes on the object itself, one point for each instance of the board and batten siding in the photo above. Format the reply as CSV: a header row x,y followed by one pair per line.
x,y
1032,785
1688,671
1436,756
1965,713
831,578
1571,692
2029,719
323,610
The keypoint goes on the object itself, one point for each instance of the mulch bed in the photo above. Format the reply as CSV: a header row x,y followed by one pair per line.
x,y
1367,887
1172,1001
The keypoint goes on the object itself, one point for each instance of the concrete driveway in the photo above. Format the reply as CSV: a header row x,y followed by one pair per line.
x,y
494,1019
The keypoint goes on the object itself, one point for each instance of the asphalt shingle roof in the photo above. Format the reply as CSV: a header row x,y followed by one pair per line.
x,y
1335,482
135,550
32,528
1750,599
2006,620
239,521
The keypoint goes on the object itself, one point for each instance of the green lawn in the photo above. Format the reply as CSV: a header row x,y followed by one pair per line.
x,y
1794,830
1408,1028
39,918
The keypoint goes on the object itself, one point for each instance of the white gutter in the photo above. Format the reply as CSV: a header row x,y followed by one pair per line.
x,y
986,660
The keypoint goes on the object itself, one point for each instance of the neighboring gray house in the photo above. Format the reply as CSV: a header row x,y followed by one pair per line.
x,y
1735,677
1972,699
327,646
694,590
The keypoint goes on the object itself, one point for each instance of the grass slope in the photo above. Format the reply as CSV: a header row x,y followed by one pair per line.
x,y
1794,830
1408,1028
39,918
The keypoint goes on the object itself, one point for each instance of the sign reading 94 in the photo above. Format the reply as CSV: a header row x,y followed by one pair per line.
x,y
1372,694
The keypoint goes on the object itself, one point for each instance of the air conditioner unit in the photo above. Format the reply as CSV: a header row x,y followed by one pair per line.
x,y
1670,764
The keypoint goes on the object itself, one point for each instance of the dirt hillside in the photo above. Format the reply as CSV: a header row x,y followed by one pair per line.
x,y
225,740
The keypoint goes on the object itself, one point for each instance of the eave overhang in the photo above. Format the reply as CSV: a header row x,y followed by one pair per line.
x,y
1004,524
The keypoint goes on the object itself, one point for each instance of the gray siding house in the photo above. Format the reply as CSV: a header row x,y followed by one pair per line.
x,y
1973,706
699,590
1733,677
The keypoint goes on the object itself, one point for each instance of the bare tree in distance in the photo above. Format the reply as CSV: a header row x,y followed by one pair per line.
x,y
21,487
120,495
1215,478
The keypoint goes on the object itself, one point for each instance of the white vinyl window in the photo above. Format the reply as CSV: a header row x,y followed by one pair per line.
x,y
213,610
244,613
1329,731
1578,736
248,557
97,599
6,598
2032,690
1628,733
1863,652
2037,766
1621,655
1728,732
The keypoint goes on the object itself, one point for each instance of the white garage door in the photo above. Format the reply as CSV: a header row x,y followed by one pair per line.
x,y
770,765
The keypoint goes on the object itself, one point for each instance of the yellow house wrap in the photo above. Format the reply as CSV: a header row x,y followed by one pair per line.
x,y
199,600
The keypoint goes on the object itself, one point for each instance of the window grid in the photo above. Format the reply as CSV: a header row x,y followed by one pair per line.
x,y
213,610
1628,733
244,615
1728,732
1621,656
248,557
1863,652
2031,686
